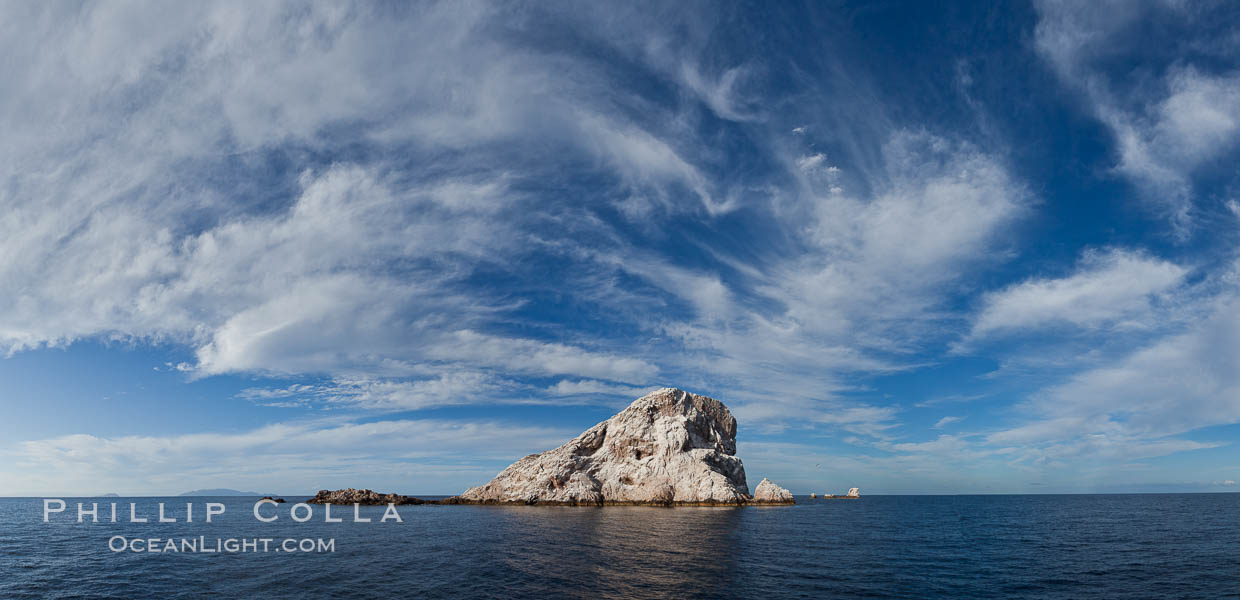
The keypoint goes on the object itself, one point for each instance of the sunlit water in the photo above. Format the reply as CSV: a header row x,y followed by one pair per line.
x,y
1177,546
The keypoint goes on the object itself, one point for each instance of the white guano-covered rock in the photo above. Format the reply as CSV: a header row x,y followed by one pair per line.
x,y
769,493
668,447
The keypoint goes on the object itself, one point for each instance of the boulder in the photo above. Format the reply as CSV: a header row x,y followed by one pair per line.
x,y
769,493
669,447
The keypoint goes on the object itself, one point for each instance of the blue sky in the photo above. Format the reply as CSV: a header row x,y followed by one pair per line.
x,y
915,247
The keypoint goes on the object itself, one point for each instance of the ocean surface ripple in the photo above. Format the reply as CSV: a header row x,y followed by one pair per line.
x,y
1036,546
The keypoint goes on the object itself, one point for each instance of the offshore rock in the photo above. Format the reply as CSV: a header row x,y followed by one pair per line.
x,y
769,493
367,497
669,447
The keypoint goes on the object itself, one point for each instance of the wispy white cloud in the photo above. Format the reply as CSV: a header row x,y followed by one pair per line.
x,y
1139,403
949,399
1177,384
590,387
1167,124
138,218
1113,288
863,288
449,388
129,238
945,421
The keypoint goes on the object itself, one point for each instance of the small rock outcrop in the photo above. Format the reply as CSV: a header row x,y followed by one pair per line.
x,y
769,493
367,497
669,447
276,500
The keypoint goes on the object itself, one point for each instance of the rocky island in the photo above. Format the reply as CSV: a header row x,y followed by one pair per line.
x,y
364,497
668,448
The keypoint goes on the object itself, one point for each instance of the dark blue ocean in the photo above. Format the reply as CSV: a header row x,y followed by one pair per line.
x,y
1042,546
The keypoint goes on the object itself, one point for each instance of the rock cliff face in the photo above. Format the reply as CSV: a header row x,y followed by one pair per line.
x,y
669,447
